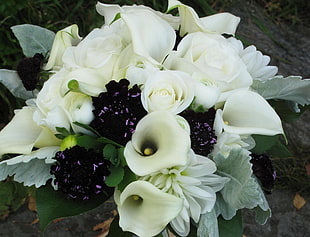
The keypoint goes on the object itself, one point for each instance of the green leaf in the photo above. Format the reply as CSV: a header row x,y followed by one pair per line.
x,y
53,204
270,145
116,231
130,177
208,225
121,156
108,141
63,131
12,196
242,190
291,88
88,142
34,39
231,228
110,153
286,110
115,177
87,127
13,83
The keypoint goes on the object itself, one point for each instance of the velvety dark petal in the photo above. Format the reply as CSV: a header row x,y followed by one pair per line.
x,y
80,173
118,111
263,170
202,132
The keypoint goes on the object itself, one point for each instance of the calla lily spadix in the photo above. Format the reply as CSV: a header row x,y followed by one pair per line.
x,y
246,112
158,142
144,209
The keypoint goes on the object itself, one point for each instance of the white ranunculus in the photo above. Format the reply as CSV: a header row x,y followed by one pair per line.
x,y
22,134
226,142
64,38
190,21
172,91
144,209
255,61
245,113
206,95
158,142
74,107
213,59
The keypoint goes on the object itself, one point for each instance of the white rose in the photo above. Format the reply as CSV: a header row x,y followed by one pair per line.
x,y
100,49
212,59
172,91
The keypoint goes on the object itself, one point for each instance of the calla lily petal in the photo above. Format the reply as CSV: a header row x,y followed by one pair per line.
x,y
217,23
20,135
64,38
158,142
145,210
153,37
246,112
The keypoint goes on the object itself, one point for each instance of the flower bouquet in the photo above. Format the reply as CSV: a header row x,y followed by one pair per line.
x,y
166,113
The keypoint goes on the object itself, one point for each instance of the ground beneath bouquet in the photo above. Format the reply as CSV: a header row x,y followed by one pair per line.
x,y
289,47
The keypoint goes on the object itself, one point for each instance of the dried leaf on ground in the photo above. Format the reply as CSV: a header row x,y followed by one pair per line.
x,y
308,169
299,201
32,204
105,226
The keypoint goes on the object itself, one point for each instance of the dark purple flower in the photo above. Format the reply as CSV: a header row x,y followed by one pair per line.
x,y
118,111
28,70
202,132
80,173
263,170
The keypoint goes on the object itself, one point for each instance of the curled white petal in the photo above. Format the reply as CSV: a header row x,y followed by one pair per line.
x,y
145,210
246,112
22,134
64,38
168,142
190,21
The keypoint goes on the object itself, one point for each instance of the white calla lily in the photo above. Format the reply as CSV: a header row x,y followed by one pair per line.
x,y
246,112
144,209
152,37
190,21
64,38
22,134
158,142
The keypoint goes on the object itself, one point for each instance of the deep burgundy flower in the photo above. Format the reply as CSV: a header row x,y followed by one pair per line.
x,y
28,70
202,132
118,111
81,173
263,170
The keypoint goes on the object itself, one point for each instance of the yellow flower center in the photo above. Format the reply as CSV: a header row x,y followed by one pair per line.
x,y
148,151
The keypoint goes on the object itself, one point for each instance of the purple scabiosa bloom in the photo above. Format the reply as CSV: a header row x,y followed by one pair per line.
x,y
118,111
263,170
202,132
80,173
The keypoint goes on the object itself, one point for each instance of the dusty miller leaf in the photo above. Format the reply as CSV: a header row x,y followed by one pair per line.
x,y
208,225
242,190
13,83
291,88
32,169
33,39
